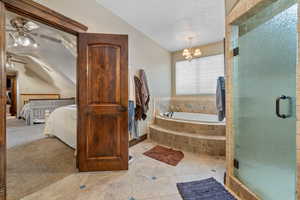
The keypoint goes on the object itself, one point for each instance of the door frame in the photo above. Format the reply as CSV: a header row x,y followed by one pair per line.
x,y
13,108
42,14
243,10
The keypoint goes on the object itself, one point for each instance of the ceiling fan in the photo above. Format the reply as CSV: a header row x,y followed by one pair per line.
x,y
22,33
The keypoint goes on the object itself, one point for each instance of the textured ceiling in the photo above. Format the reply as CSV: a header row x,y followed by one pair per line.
x,y
171,22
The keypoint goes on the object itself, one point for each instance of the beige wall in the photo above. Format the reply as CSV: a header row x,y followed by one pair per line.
x,y
229,4
202,103
29,82
143,52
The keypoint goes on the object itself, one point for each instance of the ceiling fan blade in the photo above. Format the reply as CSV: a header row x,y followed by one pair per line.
x,y
30,26
47,37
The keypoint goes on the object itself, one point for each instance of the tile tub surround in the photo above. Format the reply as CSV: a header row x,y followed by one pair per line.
x,y
209,129
205,104
196,137
136,183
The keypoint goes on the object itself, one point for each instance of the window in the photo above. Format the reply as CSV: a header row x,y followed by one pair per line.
x,y
199,76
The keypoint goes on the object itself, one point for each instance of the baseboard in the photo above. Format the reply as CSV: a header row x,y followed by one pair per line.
x,y
138,140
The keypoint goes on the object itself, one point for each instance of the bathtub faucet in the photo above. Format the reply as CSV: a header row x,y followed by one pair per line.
x,y
169,114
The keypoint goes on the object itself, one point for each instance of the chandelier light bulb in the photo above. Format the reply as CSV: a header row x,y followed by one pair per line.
x,y
23,41
186,52
197,52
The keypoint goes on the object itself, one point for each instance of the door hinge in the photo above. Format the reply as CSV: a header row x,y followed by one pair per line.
x,y
236,164
236,51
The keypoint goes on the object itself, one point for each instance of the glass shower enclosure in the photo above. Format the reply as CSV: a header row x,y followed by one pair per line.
x,y
264,101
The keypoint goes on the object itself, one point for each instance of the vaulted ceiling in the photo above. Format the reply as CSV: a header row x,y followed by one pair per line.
x,y
56,51
171,22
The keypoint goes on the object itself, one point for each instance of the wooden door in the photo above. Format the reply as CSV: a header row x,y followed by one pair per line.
x,y
102,138
2,104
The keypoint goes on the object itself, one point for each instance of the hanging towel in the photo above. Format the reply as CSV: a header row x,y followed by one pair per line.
x,y
145,94
131,118
220,98
131,84
138,98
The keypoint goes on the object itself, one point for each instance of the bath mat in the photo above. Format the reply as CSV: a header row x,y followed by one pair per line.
x,y
208,189
166,155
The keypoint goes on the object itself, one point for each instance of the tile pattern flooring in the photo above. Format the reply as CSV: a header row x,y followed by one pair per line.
x,y
147,179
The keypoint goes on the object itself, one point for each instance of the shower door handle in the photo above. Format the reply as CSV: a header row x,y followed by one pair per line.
x,y
283,97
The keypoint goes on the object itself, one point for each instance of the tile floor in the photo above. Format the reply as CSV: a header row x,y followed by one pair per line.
x,y
147,179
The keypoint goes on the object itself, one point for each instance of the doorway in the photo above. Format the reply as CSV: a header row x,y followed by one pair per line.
x,y
102,90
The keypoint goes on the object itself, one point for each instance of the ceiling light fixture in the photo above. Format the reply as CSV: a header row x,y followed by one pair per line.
x,y
24,40
21,32
190,53
9,64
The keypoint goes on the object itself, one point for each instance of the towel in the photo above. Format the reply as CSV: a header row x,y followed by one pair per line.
x,y
145,95
220,98
138,98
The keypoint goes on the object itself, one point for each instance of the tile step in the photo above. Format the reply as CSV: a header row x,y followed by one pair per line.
x,y
190,135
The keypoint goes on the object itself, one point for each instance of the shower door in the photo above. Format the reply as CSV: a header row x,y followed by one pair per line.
x,y
264,92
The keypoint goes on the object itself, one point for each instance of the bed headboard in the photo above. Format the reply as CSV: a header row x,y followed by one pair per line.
x,y
26,97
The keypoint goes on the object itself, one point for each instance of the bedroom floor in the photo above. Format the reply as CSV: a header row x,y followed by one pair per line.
x,y
19,133
147,179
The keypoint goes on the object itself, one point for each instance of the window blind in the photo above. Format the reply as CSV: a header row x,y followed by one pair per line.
x,y
199,76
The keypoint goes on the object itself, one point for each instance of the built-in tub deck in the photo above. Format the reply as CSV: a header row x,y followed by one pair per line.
x,y
198,133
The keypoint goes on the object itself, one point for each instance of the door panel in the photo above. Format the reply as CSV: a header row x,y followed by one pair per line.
x,y
103,99
264,70
3,105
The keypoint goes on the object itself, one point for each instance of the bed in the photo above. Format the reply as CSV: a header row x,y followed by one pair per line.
x,y
34,110
62,123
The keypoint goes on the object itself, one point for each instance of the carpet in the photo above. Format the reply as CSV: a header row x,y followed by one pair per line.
x,y
36,165
18,133
166,155
208,189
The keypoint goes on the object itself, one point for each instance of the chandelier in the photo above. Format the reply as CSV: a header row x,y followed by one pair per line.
x,y
190,53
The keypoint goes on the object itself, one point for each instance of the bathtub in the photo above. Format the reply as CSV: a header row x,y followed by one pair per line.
x,y
206,118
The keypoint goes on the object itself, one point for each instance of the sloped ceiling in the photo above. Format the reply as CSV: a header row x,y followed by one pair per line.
x,y
55,58
171,22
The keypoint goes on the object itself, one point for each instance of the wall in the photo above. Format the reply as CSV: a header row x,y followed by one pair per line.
x,y
207,101
229,4
143,52
29,82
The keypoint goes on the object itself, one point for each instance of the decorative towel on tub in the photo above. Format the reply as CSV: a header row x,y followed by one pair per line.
x,y
220,98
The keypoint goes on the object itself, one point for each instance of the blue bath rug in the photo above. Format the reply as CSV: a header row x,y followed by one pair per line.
x,y
208,189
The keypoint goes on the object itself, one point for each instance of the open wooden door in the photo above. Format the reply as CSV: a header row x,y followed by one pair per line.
x,y
2,104
102,138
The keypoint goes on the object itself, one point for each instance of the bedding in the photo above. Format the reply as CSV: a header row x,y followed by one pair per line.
x,y
62,123
34,111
